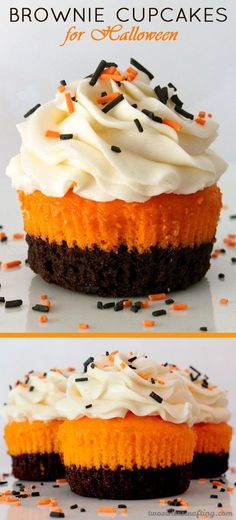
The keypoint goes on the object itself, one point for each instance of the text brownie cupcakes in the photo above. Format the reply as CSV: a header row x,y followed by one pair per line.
x,y
33,423
117,185
212,428
127,433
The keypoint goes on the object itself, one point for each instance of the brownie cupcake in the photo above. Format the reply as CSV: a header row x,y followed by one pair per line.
x,y
212,428
127,433
117,185
33,423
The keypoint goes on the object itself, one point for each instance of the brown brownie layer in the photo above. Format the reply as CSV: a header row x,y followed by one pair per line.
x,y
124,484
118,274
38,466
209,465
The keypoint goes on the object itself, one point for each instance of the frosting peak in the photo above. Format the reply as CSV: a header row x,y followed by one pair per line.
x,y
167,152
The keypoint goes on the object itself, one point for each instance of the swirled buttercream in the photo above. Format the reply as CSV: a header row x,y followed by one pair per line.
x,y
157,160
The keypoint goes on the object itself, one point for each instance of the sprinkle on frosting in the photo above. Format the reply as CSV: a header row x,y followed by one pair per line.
x,y
32,110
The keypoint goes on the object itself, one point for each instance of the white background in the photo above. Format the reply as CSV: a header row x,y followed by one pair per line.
x,y
214,357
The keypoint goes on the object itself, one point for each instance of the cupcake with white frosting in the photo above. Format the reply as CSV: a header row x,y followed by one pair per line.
x,y
127,433
117,184
33,423
212,429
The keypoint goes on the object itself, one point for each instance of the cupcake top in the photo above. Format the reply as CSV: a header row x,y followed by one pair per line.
x,y
211,400
119,383
114,136
35,398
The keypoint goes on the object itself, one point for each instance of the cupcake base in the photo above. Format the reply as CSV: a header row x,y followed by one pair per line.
x,y
209,465
124,484
38,466
118,274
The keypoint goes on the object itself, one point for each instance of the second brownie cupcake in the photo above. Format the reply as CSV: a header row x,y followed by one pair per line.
x,y
127,433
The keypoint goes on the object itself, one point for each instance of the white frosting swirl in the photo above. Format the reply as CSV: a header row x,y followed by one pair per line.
x,y
157,160
114,389
212,402
36,399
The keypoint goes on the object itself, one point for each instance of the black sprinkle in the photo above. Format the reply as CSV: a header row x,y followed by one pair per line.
x,y
55,514
4,239
2,299
130,360
23,495
222,490
74,506
172,86
140,67
87,363
107,353
115,149
104,93
223,251
153,381
40,308
32,110
156,397
108,305
113,103
203,329
160,312
221,276
192,377
219,504
214,487
82,510
118,306
63,82
152,116
35,494
161,93
133,368
176,100
88,406
233,260
13,303
232,217
183,112
73,98
213,496
122,506
134,105
169,301
3,482
81,379
97,73
138,125
111,64
99,305
171,510
31,388
55,486
65,137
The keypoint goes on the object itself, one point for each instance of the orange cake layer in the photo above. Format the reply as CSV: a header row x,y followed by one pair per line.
x,y
167,220
213,438
32,437
142,441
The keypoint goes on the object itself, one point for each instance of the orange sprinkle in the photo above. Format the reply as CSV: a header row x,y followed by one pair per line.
x,y
145,304
52,134
123,365
83,326
231,235
217,483
230,489
61,481
202,114
233,469
154,297
148,323
58,510
2,235
54,503
9,265
200,121
109,97
143,376
224,301
43,502
47,303
127,303
43,296
132,71
43,318
18,236
114,352
69,102
173,124
179,306
61,88
110,70
106,509
160,382
110,358
201,480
